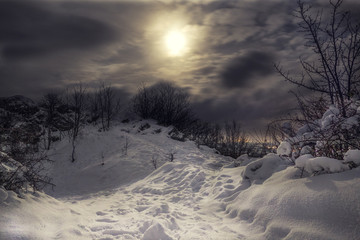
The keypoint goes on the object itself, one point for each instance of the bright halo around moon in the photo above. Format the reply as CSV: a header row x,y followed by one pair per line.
x,y
176,43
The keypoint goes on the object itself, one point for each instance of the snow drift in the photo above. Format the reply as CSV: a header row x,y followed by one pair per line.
x,y
107,194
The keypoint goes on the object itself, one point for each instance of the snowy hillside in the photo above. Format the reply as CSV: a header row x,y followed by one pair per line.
x,y
113,192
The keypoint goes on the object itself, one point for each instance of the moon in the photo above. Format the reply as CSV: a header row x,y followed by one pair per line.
x,y
175,42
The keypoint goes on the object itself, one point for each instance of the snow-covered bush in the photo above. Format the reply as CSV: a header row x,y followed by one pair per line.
x,y
320,165
352,157
331,135
284,149
261,169
11,173
319,145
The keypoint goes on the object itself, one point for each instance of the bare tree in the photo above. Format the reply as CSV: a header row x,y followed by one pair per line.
x,y
94,108
205,133
126,145
108,104
143,102
235,140
50,102
22,163
164,102
170,156
335,42
332,74
154,161
76,98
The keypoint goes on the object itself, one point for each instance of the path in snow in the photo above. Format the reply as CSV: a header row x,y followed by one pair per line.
x,y
172,203
175,201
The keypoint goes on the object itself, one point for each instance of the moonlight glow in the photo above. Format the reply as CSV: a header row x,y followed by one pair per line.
x,y
175,43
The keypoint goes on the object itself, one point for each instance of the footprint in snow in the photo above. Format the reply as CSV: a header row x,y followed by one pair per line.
x,y
100,213
114,232
141,208
100,228
107,220
74,212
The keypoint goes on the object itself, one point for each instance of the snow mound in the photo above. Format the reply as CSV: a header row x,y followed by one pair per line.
x,y
284,149
242,160
263,168
111,159
283,207
352,156
320,164
155,232
301,161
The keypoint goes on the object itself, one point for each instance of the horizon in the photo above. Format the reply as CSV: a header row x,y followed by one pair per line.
x,y
221,52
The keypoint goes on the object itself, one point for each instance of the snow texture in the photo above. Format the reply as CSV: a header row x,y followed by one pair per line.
x,y
320,164
352,156
190,198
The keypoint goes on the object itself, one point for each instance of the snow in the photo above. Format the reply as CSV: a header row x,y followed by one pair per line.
x,y
350,122
193,197
320,164
3,194
352,156
301,161
305,150
284,149
263,168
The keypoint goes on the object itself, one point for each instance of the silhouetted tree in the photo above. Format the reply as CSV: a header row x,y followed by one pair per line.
x,y
235,141
109,105
333,75
50,102
164,102
335,42
76,98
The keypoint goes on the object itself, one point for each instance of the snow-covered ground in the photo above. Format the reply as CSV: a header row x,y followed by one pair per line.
x,y
113,193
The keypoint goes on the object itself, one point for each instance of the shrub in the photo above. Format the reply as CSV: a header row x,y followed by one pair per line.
x,y
164,102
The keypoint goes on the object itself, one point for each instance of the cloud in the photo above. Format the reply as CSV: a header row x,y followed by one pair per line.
x,y
28,30
233,44
244,70
254,110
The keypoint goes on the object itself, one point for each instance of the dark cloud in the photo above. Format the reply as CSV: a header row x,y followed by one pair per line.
x,y
254,111
28,30
204,70
228,48
242,71
233,44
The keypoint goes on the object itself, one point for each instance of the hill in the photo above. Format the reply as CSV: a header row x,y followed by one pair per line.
x,y
113,191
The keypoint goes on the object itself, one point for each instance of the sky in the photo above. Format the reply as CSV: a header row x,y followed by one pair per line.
x,y
222,52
